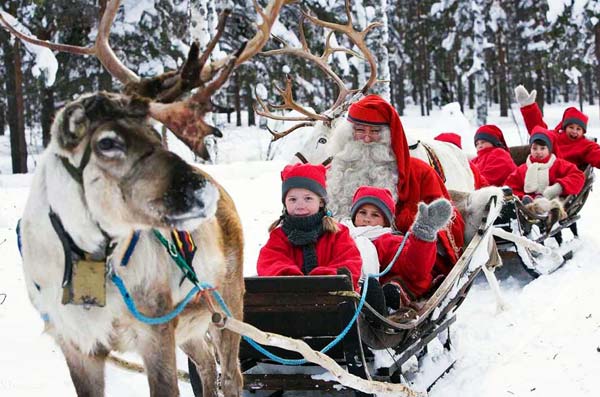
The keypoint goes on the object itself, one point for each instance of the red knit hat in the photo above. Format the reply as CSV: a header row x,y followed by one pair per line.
x,y
379,197
491,134
450,137
574,116
373,109
542,134
305,176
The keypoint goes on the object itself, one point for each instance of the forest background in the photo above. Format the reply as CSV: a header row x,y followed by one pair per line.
x,y
430,53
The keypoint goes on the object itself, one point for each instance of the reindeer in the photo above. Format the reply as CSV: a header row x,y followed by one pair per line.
x,y
450,162
106,175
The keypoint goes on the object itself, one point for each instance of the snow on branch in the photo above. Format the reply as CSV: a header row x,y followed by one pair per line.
x,y
45,64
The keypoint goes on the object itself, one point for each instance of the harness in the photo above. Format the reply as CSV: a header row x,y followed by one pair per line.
x,y
434,161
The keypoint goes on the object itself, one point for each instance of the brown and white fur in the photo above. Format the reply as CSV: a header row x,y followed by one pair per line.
x,y
131,182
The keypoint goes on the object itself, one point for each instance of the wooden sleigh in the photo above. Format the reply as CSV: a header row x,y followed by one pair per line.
x,y
317,309
542,256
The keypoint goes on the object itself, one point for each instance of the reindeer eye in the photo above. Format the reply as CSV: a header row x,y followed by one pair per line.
x,y
322,140
110,147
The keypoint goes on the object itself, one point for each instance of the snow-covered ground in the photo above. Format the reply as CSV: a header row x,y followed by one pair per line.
x,y
546,344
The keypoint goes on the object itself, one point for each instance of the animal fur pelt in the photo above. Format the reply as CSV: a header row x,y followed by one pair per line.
x,y
471,206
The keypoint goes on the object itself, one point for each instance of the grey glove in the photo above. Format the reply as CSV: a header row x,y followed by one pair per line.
x,y
431,218
523,97
553,191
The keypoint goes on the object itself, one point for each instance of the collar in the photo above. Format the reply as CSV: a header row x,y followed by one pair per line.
x,y
73,252
77,172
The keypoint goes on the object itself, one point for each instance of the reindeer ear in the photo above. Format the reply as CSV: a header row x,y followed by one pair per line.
x,y
71,125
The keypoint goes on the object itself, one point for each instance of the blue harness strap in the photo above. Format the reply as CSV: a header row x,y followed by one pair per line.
x,y
135,236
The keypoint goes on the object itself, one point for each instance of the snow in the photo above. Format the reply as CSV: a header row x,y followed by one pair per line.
x,y
545,344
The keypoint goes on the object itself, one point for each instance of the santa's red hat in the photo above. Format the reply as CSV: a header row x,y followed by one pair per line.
x,y
574,116
450,137
379,197
375,110
305,176
492,134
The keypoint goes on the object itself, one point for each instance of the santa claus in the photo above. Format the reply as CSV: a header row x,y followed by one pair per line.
x,y
370,148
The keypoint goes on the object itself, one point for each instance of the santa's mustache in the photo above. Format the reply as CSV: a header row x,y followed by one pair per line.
x,y
376,152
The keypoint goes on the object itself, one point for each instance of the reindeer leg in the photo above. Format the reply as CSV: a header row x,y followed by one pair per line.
x,y
202,355
87,371
157,348
228,346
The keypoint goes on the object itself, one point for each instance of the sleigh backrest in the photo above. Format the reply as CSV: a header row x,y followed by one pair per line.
x,y
312,308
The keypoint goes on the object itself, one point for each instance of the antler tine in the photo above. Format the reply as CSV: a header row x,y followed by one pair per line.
x,y
266,112
278,135
357,37
101,48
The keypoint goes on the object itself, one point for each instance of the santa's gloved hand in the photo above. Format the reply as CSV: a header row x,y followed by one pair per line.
x,y
523,97
553,191
431,218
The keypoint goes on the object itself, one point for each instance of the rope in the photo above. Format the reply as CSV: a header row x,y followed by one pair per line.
x,y
201,287
153,320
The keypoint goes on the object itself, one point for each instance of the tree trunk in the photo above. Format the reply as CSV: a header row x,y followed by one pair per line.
x,y
471,92
597,52
237,102
539,86
14,92
502,89
249,105
2,117
460,93
580,87
47,113
589,85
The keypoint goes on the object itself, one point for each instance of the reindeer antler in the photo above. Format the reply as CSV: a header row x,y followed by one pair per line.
x,y
345,96
185,119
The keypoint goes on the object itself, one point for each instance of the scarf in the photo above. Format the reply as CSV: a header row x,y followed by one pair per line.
x,y
303,232
537,176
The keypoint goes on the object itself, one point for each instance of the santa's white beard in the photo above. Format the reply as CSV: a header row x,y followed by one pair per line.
x,y
359,163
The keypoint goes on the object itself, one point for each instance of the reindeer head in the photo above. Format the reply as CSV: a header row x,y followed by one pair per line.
x,y
128,177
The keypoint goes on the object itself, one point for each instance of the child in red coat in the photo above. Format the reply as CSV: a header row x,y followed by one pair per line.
x,y
493,158
411,274
544,175
305,240
568,134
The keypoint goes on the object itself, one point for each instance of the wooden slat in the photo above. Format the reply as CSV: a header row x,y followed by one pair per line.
x,y
287,382
297,283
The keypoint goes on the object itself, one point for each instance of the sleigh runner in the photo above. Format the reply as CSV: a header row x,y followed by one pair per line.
x,y
317,309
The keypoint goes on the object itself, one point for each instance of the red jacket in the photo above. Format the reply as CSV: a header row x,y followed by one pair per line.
x,y
279,257
414,265
567,174
494,164
426,185
580,152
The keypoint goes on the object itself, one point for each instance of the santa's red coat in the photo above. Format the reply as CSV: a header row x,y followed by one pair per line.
x,y
479,180
580,152
567,174
426,185
414,265
494,164
278,257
